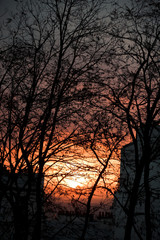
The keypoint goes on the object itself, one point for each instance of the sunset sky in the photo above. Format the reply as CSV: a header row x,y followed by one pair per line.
x,y
76,177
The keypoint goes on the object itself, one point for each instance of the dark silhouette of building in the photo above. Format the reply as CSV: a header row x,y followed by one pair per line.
x,y
127,174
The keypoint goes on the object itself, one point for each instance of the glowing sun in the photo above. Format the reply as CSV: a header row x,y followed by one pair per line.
x,y
74,182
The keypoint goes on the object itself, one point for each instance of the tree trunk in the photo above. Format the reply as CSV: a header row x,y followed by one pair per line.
x,y
38,218
147,199
133,201
21,221
90,199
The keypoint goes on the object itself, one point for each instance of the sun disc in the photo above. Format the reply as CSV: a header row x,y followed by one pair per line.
x,y
75,182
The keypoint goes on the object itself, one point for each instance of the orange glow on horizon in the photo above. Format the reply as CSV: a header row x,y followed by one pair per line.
x,y
79,183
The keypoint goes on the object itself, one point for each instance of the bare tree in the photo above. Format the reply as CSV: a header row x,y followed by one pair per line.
x,y
104,140
135,93
48,50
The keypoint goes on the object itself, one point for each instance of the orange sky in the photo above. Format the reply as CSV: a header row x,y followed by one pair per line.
x,y
79,182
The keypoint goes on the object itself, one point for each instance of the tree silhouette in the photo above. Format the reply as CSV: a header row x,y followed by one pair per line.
x,y
48,50
134,93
